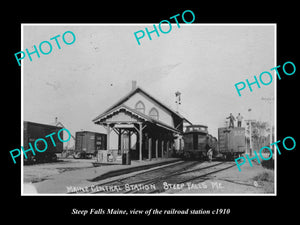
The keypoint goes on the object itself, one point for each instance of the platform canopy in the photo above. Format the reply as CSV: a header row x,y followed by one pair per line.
x,y
125,115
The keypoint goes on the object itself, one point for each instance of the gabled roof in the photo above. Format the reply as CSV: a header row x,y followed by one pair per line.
x,y
138,114
138,89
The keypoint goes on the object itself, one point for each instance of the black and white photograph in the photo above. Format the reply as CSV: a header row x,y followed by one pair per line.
x,y
139,112
131,109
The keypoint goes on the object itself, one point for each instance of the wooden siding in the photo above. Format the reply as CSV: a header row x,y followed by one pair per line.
x,y
164,115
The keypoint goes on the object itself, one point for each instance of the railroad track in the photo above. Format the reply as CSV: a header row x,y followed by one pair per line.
x,y
136,179
186,176
152,181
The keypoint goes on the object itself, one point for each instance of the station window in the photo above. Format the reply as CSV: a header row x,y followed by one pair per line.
x,y
139,106
153,113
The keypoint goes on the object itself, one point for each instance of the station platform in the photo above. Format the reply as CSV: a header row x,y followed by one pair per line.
x,y
88,175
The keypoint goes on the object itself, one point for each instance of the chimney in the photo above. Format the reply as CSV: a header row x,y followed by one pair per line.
x,y
55,120
133,85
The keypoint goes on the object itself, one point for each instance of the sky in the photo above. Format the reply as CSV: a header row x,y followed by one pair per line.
x,y
202,61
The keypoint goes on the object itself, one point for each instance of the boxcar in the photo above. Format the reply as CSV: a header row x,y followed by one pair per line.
x,y
88,143
33,131
232,141
195,141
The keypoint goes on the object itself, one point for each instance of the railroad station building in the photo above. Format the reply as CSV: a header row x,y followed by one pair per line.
x,y
146,128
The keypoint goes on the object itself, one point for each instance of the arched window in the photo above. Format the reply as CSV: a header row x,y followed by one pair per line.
x,y
139,106
153,113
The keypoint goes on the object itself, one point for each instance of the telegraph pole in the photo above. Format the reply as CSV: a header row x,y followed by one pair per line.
x,y
249,121
270,101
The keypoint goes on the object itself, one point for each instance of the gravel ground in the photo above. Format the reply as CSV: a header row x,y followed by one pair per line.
x,y
232,181
54,178
39,172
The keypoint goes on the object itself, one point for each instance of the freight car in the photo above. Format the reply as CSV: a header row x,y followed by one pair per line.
x,y
232,142
34,131
197,141
87,144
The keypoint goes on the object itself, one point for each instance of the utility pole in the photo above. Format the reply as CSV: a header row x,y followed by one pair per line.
x,y
249,122
269,101
57,123
250,137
